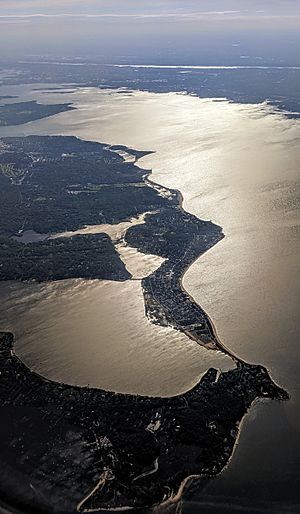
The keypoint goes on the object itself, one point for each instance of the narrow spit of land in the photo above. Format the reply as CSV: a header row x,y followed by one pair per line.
x,y
86,449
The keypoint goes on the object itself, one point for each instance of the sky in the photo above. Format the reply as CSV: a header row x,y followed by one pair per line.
x,y
156,31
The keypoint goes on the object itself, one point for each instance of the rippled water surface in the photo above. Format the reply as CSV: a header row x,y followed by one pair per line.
x,y
237,165
95,332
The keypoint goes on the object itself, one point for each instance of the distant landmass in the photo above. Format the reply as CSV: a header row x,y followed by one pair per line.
x,y
24,112
279,86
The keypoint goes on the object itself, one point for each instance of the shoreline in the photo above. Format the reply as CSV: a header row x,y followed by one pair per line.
x,y
187,417
180,197
21,370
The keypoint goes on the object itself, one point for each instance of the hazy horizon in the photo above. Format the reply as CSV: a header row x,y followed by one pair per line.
x,y
216,32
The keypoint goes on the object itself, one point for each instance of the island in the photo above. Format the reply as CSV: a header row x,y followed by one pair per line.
x,y
24,112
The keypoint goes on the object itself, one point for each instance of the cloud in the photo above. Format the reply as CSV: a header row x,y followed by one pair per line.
x,y
171,11
157,8
13,21
205,16
190,15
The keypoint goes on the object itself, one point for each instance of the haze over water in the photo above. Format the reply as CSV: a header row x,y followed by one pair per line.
x,y
237,165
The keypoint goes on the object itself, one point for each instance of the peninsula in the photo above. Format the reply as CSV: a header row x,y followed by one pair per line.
x,y
65,449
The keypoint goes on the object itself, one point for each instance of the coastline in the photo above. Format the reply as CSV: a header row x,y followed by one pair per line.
x,y
180,198
211,383
65,392
159,187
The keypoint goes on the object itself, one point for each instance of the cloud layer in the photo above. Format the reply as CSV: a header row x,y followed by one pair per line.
x,y
153,8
